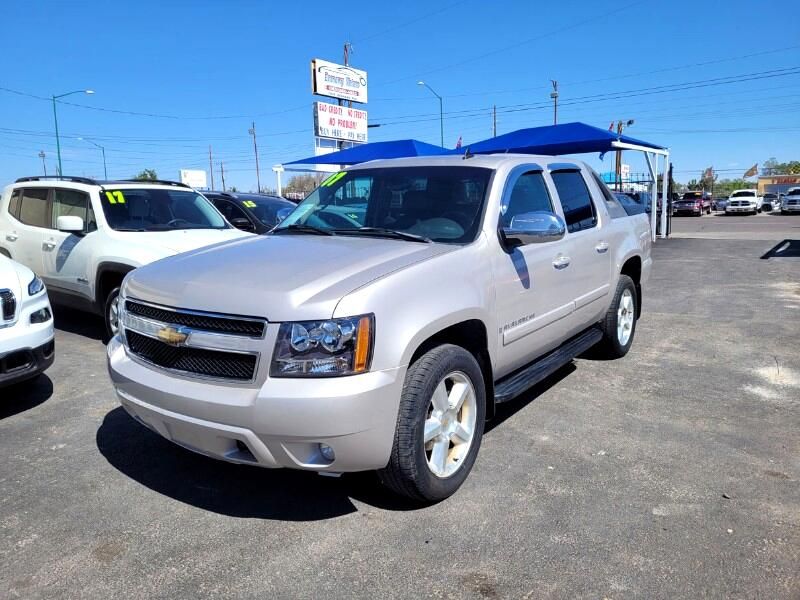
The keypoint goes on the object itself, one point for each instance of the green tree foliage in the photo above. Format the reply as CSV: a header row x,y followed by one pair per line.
x,y
773,167
147,175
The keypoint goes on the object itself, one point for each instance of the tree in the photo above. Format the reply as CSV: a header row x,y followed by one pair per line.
x,y
147,175
304,184
773,167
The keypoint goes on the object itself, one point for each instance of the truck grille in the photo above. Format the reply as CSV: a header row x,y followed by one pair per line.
x,y
9,303
216,324
197,361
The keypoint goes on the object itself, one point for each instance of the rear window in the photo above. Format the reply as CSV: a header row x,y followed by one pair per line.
x,y
13,203
33,207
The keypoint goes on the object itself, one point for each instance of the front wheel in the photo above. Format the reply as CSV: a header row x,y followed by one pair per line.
x,y
112,313
619,324
439,425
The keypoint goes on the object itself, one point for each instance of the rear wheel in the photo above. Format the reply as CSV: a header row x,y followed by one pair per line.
x,y
619,325
112,313
439,425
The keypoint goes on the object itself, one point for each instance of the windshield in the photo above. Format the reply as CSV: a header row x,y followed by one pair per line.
x,y
770,195
267,210
692,195
155,209
743,194
443,204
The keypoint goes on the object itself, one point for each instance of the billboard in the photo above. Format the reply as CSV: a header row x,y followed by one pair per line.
x,y
340,122
194,178
338,81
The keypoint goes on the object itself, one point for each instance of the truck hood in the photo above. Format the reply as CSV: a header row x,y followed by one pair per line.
x,y
279,277
181,240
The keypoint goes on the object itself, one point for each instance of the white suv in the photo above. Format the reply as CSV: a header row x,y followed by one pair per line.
x,y
26,324
82,236
744,201
791,201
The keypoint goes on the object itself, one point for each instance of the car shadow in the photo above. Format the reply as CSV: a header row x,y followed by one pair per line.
x,y
783,249
231,489
80,323
25,395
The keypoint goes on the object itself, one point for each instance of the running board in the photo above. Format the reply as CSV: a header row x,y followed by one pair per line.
x,y
513,385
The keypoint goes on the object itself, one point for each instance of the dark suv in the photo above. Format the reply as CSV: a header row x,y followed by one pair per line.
x,y
256,213
693,203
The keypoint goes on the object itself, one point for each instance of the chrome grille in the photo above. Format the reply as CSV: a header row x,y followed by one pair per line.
x,y
9,304
218,324
197,361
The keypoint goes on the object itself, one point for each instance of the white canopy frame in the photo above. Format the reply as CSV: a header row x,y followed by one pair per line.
x,y
651,156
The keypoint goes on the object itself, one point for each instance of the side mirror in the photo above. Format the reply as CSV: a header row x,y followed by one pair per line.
x,y
69,224
243,224
533,228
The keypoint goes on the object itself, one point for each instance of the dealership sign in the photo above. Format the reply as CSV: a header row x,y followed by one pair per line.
x,y
338,81
340,122
194,178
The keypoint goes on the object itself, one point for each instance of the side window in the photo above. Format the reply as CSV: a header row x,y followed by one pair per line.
x,y
33,207
91,220
13,202
70,203
229,210
529,194
579,211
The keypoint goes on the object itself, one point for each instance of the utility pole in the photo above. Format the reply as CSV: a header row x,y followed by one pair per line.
x,y
211,166
222,174
348,48
494,120
554,96
621,125
44,165
252,131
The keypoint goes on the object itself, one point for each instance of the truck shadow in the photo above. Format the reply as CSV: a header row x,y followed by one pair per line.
x,y
80,323
252,492
24,396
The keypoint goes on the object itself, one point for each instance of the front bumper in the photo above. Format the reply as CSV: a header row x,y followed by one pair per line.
x,y
791,208
741,209
279,424
688,211
25,363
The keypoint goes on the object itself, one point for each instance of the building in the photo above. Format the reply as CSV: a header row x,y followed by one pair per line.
x,y
777,183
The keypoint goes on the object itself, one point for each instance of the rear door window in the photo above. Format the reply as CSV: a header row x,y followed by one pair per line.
x,y
579,210
34,209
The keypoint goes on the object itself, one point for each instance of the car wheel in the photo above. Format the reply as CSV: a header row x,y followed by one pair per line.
x,y
619,324
439,425
112,313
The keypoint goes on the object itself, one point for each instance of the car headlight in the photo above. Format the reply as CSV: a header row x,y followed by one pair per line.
x,y
324,348
36,286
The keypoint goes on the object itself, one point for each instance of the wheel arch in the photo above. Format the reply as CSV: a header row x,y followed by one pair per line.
x,y
109,275
632,267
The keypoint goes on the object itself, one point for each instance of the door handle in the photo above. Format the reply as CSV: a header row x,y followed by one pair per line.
x,y
11,237
48,245
561,262
602,247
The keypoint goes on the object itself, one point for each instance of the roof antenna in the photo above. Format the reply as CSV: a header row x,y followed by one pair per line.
x,y
467,154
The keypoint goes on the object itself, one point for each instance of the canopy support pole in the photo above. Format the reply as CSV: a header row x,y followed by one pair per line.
x,y
654,175
664,203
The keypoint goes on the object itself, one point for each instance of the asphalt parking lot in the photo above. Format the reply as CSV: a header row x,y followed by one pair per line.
x,y
671,473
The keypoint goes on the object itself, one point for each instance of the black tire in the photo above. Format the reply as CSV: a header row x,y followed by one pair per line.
x,y
110,299
408,473
610,347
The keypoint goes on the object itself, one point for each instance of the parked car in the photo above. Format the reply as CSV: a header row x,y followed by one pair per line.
x,y
27,346
631,205
82,236
256,213
791,203
744,201
719,203
770,202
693,203
383,344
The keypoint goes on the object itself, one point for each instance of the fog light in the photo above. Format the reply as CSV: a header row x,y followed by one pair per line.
x,y
40,316
327,452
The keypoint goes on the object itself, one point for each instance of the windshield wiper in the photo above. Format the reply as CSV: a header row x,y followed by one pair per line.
x,y
299,228
385,232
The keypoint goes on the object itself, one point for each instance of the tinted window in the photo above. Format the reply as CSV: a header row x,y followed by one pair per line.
x,y
70,203
229,210
13,202
33,208
444,204
528,195
266,208
155,209
579,212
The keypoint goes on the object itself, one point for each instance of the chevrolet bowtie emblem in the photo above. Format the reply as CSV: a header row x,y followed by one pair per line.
x,y
174,336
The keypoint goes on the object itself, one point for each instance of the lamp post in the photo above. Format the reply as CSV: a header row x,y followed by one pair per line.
x,y
103,150
441,110
44,165
55,120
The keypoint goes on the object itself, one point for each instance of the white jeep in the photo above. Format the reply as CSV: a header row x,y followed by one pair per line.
x,y
83,236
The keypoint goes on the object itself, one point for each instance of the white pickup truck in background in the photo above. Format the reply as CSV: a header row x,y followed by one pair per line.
x,y
381,322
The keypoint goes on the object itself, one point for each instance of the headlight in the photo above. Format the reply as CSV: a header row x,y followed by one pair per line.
x,y
324,348
36,286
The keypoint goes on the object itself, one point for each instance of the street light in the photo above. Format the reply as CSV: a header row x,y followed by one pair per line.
x,y
55,119
103,150
441,110
44,165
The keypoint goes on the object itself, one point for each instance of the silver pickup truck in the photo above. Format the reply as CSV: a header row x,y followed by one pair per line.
x,y
379,325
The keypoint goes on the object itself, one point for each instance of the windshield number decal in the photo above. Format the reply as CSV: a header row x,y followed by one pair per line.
x,y
249,203
333,179
115,197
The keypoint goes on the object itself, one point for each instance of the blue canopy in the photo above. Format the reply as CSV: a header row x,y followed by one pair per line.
x,y
373,151
569,138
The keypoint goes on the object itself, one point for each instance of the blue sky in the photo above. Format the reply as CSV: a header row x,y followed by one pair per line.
x,y
204,70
